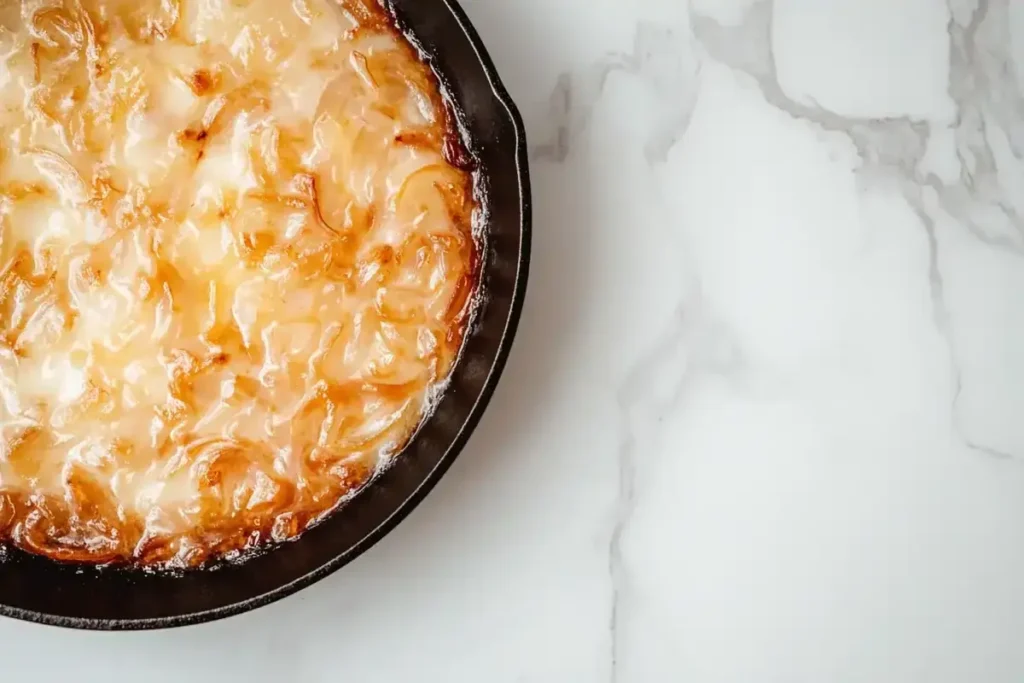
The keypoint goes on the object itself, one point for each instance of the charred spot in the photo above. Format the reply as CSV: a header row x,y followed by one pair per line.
x,y
202,82
36,69
416,138
196,138
456,154
192,135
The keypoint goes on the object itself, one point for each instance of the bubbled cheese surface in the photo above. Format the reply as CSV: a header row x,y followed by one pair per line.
x,y
235,260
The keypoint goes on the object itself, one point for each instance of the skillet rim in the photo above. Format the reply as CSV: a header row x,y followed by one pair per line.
x,y
454,449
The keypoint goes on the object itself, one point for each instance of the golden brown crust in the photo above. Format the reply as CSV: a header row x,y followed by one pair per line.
x,y
236,254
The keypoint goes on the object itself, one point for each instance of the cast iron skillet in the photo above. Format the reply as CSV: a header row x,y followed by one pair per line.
x,y
40,590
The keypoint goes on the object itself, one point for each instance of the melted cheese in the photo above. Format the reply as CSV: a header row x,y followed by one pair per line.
x,y
235,260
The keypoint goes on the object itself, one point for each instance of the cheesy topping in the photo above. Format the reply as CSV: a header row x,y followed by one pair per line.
x,y
235,257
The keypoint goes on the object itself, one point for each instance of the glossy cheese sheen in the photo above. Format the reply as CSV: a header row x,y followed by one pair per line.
x,y
236,259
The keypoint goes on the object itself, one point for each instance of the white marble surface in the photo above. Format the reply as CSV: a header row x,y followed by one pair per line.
x,y
764,421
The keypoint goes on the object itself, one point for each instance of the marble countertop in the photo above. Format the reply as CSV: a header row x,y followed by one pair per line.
x,y
764,419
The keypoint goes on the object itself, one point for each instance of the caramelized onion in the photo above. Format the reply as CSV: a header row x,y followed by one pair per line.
x,y
235,258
